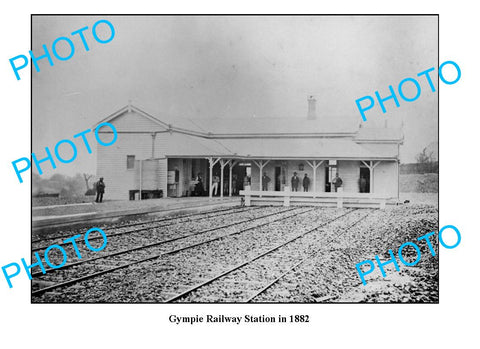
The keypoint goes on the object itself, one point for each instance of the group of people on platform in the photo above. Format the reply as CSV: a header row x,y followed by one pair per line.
x,y
295,181
237,185
198,189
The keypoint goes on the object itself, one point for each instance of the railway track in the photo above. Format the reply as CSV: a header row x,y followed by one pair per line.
x,y
252,290
301,262
39,278
159,238
181,219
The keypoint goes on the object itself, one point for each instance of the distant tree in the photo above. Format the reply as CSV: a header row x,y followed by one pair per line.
x,y
423,157
87,178
90,191
426,161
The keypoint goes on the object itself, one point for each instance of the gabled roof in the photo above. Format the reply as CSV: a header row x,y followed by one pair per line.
x,y
269,137
130,108
264,127
230,127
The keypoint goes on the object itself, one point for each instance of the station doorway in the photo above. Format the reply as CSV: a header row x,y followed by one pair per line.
x,y
330,172
364,180
278,178
241,177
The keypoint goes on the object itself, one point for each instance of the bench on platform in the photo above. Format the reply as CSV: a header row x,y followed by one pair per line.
x,y
338,199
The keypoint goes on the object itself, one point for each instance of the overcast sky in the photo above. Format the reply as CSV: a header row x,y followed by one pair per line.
x,y
233,67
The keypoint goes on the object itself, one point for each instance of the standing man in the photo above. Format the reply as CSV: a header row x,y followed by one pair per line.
x,y
234,184
363,184
337,182
199,185
216,179
100,187
295,181
306,182
265,180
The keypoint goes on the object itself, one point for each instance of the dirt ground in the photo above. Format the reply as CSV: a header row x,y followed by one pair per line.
x,y
420,198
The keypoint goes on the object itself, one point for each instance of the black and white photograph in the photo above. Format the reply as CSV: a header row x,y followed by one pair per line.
x,y
235,159
231,175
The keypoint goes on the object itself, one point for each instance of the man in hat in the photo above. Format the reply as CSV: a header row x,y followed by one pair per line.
x,y
363,184
198,190
100,187
265,181
215,184
337,182
295,181
306,182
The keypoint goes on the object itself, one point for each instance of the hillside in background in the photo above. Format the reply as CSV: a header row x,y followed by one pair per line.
x,y
419,183
429,167
420,177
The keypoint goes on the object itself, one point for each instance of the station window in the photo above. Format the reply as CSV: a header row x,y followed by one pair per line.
x,y
130,162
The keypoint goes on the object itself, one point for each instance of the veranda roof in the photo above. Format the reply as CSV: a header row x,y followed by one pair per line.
x,y
182,145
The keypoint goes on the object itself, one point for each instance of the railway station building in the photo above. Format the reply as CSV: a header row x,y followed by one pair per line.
x,y
154,158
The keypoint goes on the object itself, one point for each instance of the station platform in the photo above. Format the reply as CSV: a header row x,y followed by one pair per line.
x,y
44,217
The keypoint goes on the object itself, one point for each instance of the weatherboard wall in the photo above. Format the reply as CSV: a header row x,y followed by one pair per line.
x,y
112,164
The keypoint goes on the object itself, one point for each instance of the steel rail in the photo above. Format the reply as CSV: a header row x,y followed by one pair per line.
x,y
126,214
241,265
128,231
73,281
309,257
158,243
151,221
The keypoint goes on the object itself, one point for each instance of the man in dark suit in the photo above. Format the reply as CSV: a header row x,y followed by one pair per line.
x,y
265,180
198,190
363,184
295,181
306,182
100,186
337,182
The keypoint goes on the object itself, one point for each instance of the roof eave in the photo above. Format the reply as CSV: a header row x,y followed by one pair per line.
x,y
390,141
281,135
359,158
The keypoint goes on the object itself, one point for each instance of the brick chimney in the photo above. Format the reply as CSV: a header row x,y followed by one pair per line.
x,y
312,114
